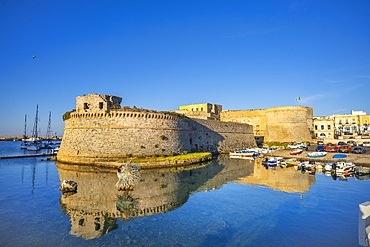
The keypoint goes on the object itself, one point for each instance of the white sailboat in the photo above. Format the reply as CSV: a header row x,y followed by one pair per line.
x,y
34,144
25,142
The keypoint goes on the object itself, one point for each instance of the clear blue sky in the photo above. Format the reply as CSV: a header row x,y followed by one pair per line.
x,y
161,54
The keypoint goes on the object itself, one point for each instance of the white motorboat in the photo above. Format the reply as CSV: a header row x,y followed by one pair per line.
x,y
33,146
316,154
244,154
344,167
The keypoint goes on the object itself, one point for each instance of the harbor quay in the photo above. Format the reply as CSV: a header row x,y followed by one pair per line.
x,y
357,159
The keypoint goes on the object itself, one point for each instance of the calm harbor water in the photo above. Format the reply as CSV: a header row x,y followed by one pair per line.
x,y
224,203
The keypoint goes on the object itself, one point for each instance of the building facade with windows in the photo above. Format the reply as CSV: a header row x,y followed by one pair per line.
x,y
323,127
202,111
342,125
365,124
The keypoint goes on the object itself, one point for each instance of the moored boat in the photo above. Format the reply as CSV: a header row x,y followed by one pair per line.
x,y
274,161
292,162
296,151
328,167
316,154
362,171
33,146
344,167
244,154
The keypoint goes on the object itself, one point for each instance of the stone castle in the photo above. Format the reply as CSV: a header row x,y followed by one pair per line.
x,y
101,130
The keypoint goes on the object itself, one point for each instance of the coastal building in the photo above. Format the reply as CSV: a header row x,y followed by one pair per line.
x,y
365,124
324,127
354,124
202,111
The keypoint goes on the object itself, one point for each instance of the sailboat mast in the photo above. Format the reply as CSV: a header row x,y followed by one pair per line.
x,y
37,119
25,126
48,131
35,127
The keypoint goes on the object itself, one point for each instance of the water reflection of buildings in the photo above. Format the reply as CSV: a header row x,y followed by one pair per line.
x,y
93,210
284,179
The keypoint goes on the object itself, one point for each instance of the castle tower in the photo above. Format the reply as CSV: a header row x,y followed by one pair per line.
x,y
97,103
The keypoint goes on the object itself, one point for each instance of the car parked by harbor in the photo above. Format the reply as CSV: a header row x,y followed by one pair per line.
x,y
330,147
345,148
366,144
352,143
359,150
320,148
320,143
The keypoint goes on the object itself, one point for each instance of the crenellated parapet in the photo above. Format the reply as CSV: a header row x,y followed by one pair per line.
x,y
126,114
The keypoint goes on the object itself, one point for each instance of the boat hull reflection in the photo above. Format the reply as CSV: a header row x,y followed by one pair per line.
x,y
283,179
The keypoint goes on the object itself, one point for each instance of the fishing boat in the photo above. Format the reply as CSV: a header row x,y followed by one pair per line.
x,y
316,154
306,165
328,167
244,154
362,171
344,167
296,151
272,162
291,162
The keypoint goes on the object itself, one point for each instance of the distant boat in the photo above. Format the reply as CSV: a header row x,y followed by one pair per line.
x,y
25,143
344,167
244,154
35,144
296,151
316,154
272,162
362,171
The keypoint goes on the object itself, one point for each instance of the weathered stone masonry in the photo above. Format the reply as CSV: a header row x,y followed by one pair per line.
x,y
100,135
277,124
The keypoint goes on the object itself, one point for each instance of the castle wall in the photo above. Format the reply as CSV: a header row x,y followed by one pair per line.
x,y
287,124
278,124
91,137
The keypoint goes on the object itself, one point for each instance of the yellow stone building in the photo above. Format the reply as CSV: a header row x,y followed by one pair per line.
x,y
354,124
202,111
277,124
324,127
365,124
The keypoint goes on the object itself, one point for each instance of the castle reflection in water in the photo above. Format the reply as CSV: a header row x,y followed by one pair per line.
x,y
97,205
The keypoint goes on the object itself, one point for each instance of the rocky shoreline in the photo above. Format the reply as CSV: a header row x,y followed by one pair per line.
x,y
357,159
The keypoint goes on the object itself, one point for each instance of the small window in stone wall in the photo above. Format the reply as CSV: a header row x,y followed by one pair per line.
x,y
329,127
100,105
86,106
322,127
